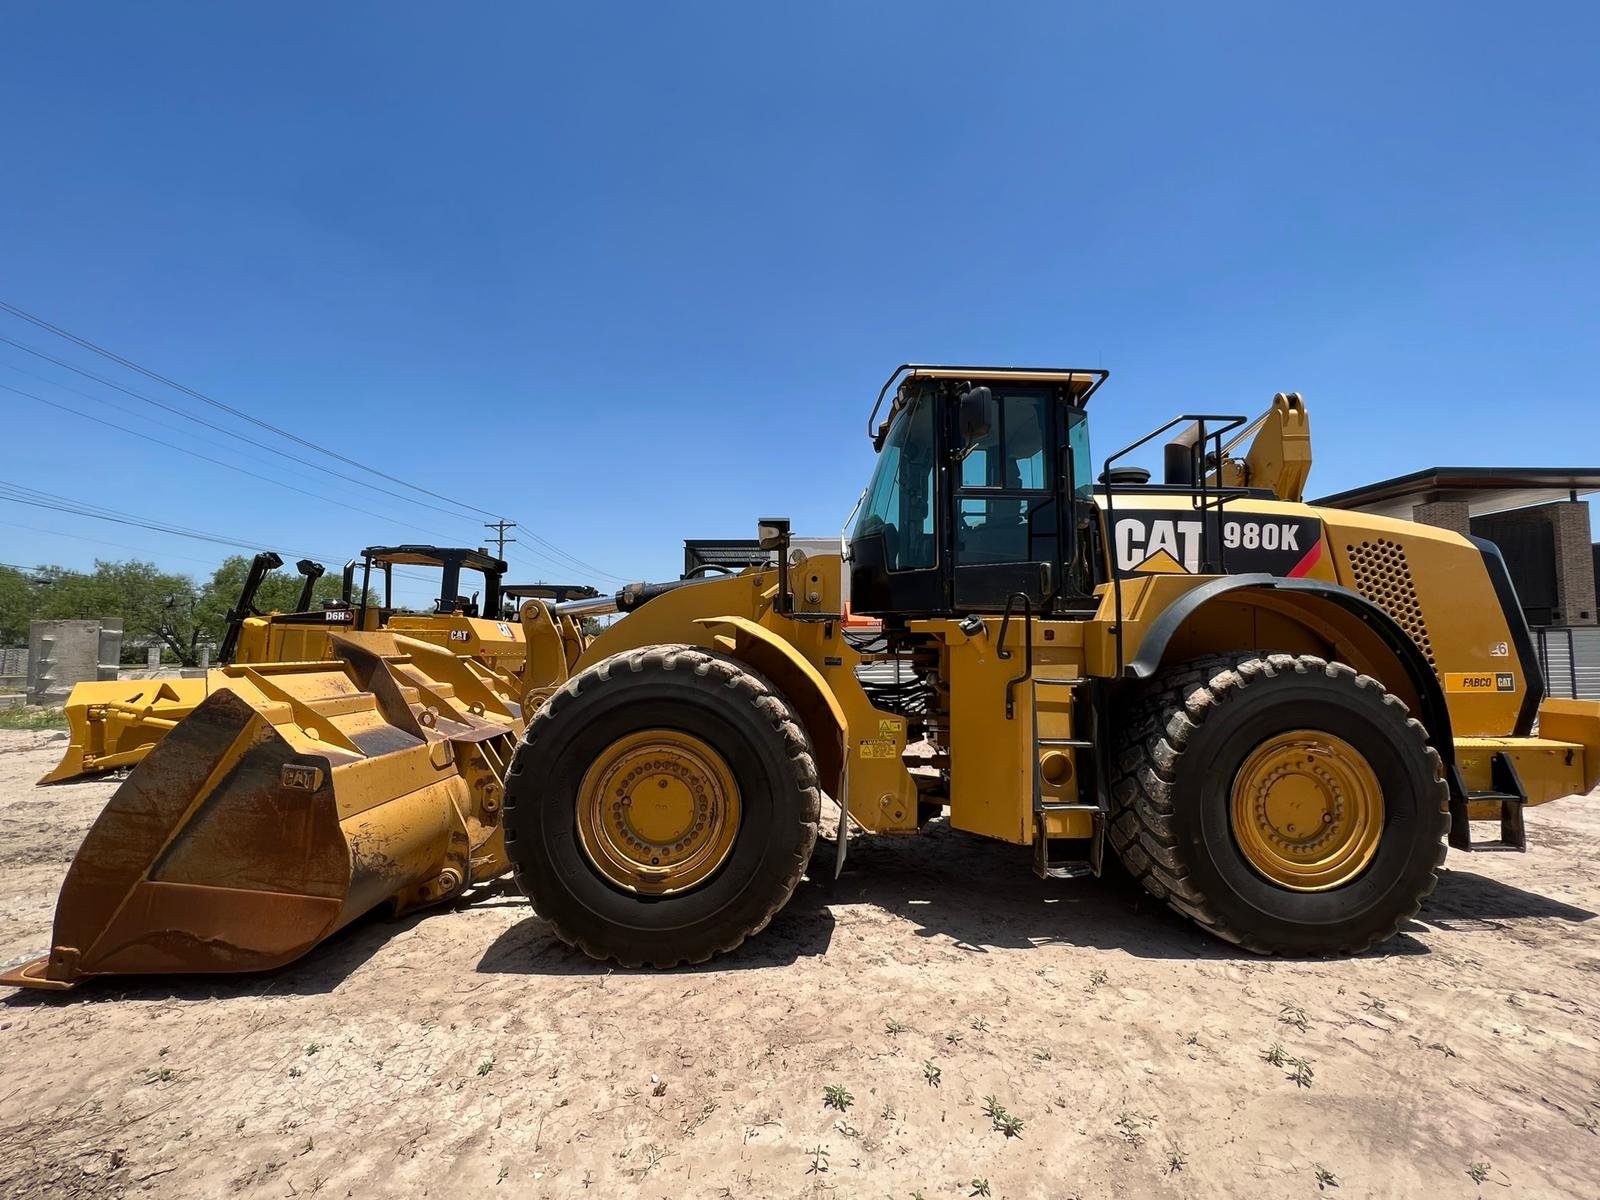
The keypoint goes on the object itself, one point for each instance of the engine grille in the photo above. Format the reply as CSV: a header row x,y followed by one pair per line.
x,y
1383,576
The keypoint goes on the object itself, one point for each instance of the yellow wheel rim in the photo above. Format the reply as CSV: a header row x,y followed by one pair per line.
x,y
1307,810
658,812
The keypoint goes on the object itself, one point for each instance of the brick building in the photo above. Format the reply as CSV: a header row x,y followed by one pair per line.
x,y
1540,521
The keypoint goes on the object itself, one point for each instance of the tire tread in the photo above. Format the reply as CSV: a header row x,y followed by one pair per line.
x,y
1158,727
743,686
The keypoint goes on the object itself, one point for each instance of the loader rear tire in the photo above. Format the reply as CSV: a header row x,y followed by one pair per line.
x,y
742,745
1197,820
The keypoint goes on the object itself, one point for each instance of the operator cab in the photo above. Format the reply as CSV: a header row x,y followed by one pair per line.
x,y
983,492
449,561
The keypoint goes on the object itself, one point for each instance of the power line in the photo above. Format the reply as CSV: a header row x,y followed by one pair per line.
x,y
228,408
555,553
78,537
35,498
219,462
313,473
320,472
223,429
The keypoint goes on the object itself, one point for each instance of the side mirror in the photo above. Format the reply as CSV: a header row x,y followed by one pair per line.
x,y
976,406
772,533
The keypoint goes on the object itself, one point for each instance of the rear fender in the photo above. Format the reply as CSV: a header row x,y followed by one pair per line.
x,y
1323,608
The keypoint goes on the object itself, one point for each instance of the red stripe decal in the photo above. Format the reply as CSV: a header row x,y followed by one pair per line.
x,y
1312,557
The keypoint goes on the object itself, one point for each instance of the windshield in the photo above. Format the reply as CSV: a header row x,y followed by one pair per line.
x,y
899,500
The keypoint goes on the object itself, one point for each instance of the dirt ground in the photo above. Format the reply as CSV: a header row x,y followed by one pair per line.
x,y
465,1050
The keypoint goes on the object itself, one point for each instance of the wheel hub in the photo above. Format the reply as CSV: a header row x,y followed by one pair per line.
x,y
658,811
1307,810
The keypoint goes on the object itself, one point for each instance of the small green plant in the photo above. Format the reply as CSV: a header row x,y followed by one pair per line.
x,y
1130,1128
819,1160
1293,1014
891,1026
159,1075
953,1039
980,1187
1098,978
931,1073
312,1048
1325,1177
1273,1056
980,1025
1300,1071
1003,1121
1041,1054
834,1096
295,1072
1193,1039
1478,1171
1177,1160
485,1066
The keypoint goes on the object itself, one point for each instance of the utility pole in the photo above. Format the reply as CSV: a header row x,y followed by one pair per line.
x,y
500,538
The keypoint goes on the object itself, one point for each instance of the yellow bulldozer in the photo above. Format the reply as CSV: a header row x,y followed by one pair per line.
x,y
113,724
1277,716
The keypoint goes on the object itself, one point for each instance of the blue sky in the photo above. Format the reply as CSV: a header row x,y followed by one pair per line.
x,y
630,274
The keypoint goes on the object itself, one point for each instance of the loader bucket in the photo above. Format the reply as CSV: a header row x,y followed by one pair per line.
x,y
113,724
285,805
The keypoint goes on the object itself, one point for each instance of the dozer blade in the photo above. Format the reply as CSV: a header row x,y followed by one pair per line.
x,y
284,806
113,724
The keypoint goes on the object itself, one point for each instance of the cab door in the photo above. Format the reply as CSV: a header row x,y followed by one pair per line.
x,y
1006,505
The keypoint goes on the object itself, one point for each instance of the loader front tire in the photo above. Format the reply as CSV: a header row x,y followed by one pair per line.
x,y
1285,803
662,807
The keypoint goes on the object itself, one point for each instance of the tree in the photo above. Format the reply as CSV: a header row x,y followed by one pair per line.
x,y
152,603
17,602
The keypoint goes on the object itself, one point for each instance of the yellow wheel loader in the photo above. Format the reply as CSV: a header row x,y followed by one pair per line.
x,y
1278,716
113,724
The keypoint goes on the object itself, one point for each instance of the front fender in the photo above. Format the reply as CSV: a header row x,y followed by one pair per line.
x,y
800,682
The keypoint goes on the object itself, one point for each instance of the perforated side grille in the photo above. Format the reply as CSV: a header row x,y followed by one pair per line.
x,y
1383,576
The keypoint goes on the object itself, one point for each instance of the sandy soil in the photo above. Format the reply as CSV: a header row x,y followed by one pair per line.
x,y
465,1050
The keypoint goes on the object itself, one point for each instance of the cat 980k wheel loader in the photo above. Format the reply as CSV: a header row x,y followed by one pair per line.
x,y
1278,716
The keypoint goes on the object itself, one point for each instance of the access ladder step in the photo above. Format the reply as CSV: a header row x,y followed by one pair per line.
x,y
1069,743
1507,791
1046,867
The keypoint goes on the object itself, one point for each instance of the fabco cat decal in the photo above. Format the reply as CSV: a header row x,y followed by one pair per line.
x,y
1235,544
